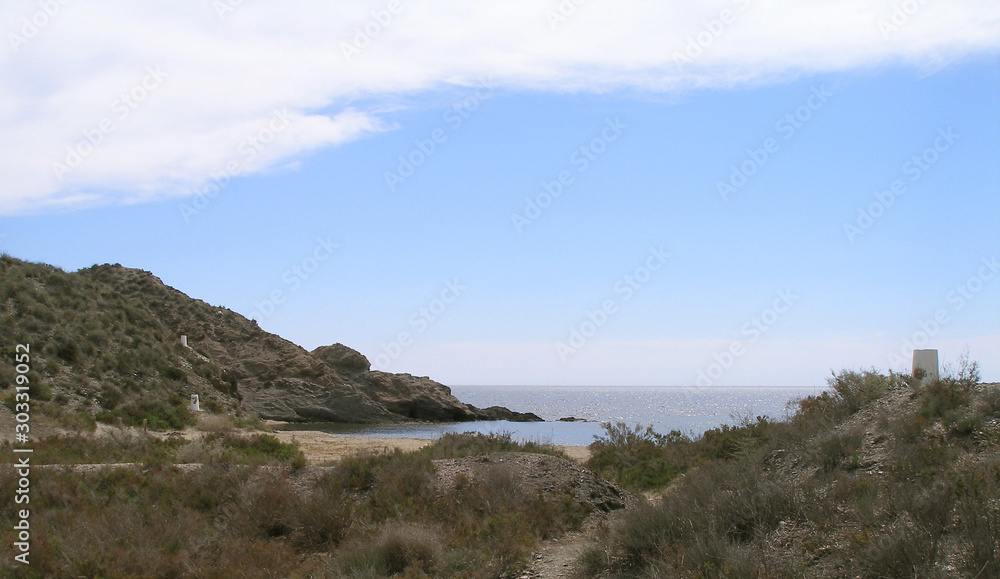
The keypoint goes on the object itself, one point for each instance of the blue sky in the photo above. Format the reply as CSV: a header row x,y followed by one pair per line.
x,y
644,270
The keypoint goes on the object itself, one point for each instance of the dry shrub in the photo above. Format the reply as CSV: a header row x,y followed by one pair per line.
x,y
400,546
987,404
905,550
979,517
250,558
403,485
266,506
502,487
712,519
326,515
206,489
216,423
126,541
856,389
831,450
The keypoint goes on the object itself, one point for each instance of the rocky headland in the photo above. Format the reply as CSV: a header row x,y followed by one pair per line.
x,y
120,345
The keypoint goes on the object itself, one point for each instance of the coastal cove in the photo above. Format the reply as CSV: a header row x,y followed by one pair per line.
x,y
665,408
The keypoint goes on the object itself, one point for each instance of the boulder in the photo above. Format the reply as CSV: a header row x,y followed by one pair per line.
x,y
342,358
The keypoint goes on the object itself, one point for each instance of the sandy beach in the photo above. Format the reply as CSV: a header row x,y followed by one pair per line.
x,y
322,447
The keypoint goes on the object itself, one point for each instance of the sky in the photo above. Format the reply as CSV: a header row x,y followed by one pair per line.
x,y
713,193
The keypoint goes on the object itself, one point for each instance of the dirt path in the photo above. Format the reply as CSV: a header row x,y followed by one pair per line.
x,y
558,557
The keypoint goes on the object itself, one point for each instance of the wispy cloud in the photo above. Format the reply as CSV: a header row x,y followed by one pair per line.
x,y
229,70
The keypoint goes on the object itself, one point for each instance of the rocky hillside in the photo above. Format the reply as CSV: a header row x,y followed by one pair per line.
x,y
883,475
106,343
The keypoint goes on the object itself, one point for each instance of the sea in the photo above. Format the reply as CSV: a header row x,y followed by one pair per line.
x,y
665,408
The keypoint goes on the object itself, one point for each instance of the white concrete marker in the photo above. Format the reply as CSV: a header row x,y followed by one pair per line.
x,y
926,360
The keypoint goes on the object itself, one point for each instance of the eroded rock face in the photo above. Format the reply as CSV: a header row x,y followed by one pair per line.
x,y
416,397
296,400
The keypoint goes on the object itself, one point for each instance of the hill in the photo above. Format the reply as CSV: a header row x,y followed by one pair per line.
x,y
106,345
881,476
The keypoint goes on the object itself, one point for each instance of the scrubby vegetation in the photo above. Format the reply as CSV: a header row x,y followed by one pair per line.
x,y
884,475
458,445
105,345
138,448
253,510
881,476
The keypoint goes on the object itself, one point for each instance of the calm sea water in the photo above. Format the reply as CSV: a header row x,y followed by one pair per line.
x,y
690,410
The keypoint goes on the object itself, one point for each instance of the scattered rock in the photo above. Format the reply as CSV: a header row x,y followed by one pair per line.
x,y
501,413
543,473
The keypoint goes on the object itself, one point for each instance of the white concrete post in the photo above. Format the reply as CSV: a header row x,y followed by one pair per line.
x,y
184,340
195,405
926,360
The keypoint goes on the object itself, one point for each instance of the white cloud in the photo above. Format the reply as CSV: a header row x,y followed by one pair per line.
x,y
225,76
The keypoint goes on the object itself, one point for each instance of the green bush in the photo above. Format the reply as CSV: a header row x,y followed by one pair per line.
x,y
172,373
831,450
66,349
733,441
260,448
857,389
459,445
639,457
156,415
120,448
38,387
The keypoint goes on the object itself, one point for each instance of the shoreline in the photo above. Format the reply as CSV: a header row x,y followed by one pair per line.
x,y
319,447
